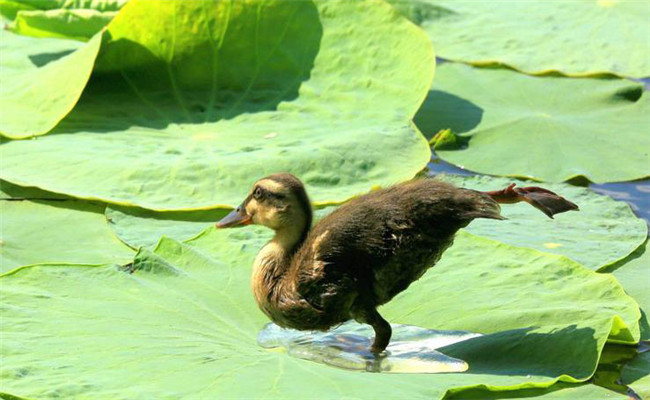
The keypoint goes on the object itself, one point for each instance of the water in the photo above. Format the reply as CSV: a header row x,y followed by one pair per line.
x,y
412,349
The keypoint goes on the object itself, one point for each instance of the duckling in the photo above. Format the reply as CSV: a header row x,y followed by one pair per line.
x,y
365,252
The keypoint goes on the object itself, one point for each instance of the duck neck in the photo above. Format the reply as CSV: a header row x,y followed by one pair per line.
x,y
274,260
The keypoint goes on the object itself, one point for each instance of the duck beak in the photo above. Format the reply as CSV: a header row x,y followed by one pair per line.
x,y
237,217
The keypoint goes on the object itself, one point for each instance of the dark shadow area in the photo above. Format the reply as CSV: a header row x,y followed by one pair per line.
x,y
132,86
612,360
644,326
520,352
442,110
479,393
11,192
43,59
419,12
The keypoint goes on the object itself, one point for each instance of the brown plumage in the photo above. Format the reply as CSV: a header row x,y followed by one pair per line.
x,y
365,252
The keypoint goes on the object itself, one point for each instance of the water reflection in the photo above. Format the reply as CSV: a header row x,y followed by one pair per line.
x,y
412,349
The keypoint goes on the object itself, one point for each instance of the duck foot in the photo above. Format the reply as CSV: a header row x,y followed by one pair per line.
x,y
382,329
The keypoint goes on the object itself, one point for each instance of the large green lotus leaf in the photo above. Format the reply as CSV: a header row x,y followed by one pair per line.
x,y
57,231
545,128
636,374
184,325
574,37
634,274
141,227
76,24
602,232
211,96
42,80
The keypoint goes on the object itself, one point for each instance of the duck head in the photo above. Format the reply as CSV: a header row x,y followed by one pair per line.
x,y
279,202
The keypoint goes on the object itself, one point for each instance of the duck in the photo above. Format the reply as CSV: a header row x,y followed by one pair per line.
x,y
365,252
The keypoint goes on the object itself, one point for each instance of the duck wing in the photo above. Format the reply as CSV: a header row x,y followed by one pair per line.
x,y
375,246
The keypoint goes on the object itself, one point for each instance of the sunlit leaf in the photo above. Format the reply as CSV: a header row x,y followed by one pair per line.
x,y
140,227
184,324
61,23
41,80
545,128
188,112
55,230
574,37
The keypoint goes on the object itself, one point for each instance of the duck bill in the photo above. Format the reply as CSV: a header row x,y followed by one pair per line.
x,y
237,217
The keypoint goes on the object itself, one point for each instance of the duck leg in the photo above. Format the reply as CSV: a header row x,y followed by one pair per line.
x,y
382,328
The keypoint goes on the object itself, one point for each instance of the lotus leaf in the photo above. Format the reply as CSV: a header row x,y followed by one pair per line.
x,y
573,37
188,112
602,232
544,128
41,79
636,374
77,24
56,231
184,324
140,227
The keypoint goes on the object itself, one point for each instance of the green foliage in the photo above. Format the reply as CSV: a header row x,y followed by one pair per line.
x,y
56,231
634,274
603,232
544,128
140,227
178,132
42,81
184,324
150,131
574,37
61,23
39,227
11,9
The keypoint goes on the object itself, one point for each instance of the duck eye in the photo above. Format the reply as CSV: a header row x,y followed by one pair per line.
x,y
257,194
